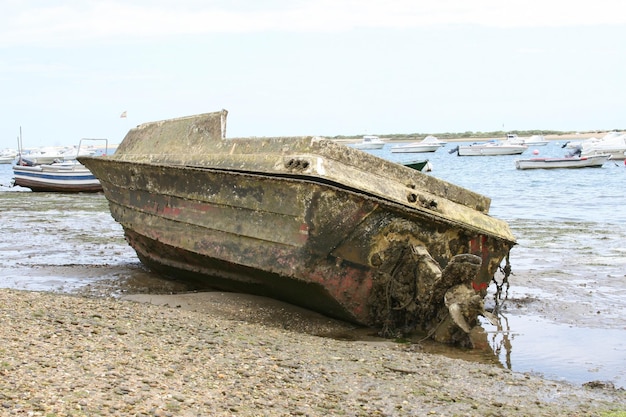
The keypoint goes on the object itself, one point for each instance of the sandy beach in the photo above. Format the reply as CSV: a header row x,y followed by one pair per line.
x,y
67,355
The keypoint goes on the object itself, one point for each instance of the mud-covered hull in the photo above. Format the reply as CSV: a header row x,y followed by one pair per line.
x,y
302,237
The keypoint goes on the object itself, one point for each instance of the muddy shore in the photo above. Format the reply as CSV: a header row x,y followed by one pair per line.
x,y
215,354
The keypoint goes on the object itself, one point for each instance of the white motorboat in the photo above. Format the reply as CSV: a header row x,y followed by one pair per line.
x,y
428,144
370,142
7,156
43,155
71,153
489,148
594,161
535,140
613,143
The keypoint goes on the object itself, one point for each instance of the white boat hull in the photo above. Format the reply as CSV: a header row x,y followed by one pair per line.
x,y
535,140
369,142
368,146
414,148
595,161
616,154
490,150
51,178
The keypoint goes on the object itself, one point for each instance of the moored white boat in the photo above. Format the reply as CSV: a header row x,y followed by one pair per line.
x,y
61,176
7,156
535,140
594,161
369,142
71,153
613,143
428,144
56,177
43,155
489,149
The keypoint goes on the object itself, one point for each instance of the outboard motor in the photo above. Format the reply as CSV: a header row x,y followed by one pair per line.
x,y
577,151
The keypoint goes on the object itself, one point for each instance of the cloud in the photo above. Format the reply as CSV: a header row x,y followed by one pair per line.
x,y
73,21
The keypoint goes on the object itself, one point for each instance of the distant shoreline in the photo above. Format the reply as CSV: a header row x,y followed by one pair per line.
x,y
553,137
412,138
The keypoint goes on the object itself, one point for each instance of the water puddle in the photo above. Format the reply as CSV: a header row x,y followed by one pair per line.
x,y
558,351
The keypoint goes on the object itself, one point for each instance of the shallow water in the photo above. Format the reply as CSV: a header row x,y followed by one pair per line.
x,y
565,315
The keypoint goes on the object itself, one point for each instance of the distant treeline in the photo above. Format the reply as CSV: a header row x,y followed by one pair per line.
x,y
464,135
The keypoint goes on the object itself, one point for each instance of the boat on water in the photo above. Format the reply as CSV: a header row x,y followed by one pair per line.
x,y
422,165
574,159
56,177
42,155
535,140
369,142
489,148
308,221
613,143
7,156
60,176
428,144
595,161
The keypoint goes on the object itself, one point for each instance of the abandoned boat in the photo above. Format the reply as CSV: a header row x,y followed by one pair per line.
x,y
308,221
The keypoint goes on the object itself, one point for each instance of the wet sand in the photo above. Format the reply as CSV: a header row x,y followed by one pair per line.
x,y
214,354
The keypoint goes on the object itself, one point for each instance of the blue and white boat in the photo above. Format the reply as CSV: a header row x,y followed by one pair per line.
x,y
65,177
61,176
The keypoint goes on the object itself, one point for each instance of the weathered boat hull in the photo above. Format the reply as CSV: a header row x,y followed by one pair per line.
x,y
299,219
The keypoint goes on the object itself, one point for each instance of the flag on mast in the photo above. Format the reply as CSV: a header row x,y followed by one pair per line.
x,y
123,115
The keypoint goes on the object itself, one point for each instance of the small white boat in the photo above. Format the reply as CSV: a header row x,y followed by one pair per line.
x,y
56,177
370,142
489,148
428,144
71,153
614,144
44,155
62,176
7,156
535,140
595,161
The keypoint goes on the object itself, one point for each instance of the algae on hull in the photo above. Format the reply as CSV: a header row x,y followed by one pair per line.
x,y
305,220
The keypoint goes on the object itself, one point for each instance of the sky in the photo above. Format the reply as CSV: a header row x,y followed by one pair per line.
x,y
70,68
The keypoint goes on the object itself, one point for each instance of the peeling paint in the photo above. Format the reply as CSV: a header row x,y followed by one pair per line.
x,y
304,220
